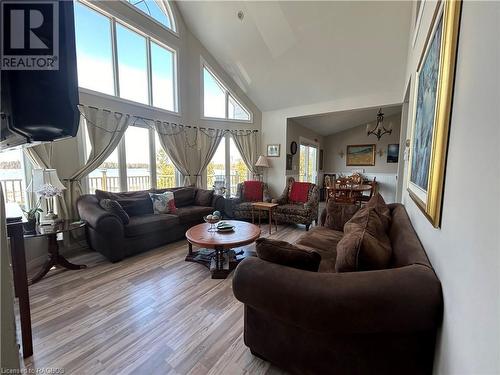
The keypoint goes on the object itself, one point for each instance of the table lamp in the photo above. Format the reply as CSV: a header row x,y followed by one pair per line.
x,y
45,183
262,162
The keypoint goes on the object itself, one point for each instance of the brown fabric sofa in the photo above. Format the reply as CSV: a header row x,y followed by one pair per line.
x,y
365,322
107,234
297,213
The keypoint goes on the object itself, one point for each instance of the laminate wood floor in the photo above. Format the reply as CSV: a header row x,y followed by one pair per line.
x,y
153,313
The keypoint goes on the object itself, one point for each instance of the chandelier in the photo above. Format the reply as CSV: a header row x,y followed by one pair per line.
x,y
379,130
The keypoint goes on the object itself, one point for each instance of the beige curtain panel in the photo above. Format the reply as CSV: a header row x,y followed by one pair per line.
x,y
105,130
247,142
208,141
41,158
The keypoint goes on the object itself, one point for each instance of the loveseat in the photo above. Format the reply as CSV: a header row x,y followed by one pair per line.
x,y
326,322
109,235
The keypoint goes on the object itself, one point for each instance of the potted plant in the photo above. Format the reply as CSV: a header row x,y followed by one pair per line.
x,y
32,216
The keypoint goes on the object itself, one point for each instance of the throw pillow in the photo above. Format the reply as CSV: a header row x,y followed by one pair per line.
x,y
377,202
135,203
163,203
184,196
365,245
286,254
252,191
115,208
299,192
338,214
204,197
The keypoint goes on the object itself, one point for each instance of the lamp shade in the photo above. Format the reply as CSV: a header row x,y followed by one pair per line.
x,y
43,177
262,162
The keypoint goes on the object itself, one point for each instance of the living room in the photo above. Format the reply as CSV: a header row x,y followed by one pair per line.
x,y
251,187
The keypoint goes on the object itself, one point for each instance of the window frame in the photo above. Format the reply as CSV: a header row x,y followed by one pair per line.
x,y
169,12
227,92
149,39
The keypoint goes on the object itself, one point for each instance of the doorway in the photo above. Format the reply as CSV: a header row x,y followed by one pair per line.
x,y
308,165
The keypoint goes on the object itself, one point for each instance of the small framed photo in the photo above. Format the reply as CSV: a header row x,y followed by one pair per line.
x,y
393,153
273,151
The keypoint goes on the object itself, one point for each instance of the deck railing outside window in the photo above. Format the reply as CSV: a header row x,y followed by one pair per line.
x,y
112,183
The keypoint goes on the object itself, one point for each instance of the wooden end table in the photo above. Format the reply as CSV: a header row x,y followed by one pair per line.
x,y
223,259
265,206
54,258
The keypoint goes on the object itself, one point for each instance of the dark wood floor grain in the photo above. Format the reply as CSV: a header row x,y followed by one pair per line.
x,y
153,313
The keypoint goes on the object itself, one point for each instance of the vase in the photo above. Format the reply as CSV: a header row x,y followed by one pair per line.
x,y
29,226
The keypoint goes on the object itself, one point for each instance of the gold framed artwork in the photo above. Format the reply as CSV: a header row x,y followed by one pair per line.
x,y
360,155
432,108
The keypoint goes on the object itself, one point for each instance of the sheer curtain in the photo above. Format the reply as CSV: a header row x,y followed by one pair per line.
x,y
208,141
105,130
247,142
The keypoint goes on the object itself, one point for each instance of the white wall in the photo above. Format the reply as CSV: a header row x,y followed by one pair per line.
x,y
274,125
465,252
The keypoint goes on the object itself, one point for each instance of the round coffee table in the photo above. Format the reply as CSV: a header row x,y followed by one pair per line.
x,y
223,259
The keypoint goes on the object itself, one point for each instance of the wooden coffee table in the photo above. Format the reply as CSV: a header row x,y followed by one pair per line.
x,y
223,259
265,206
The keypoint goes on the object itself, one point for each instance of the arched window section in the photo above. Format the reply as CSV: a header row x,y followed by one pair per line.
x,y
159,10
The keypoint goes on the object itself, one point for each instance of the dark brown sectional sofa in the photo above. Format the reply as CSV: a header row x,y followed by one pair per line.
x,y
366,322
107,233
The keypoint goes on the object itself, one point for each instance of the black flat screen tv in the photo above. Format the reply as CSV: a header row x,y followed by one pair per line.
x,y
38,104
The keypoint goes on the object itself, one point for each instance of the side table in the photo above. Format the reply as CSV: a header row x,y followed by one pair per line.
x,y
265,206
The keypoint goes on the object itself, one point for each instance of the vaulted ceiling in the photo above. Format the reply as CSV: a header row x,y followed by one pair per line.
x,y
284,54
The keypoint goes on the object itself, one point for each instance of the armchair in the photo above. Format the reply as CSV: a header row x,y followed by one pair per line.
x,y
292,208
240,207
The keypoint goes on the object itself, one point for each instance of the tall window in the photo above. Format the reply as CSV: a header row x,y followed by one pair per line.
x,y
308,163
94,51
138,158
12,176
158,10
165,170
134,165
145,69
227,168
218,102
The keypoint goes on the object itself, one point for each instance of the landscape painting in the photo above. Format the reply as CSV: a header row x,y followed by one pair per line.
x,y
432,104
423,131
393,153
361,155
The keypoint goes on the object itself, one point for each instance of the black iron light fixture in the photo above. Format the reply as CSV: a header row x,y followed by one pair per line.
x,y
379,130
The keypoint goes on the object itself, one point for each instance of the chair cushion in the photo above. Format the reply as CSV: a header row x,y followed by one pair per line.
x,y
163,203
377,202
299,192
145,224
286,254
134,203
115,208
184,196
193,214
324,241
203,197
252,191
290,209
365,245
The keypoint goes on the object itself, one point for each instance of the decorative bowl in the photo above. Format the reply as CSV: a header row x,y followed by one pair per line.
x,y
212,223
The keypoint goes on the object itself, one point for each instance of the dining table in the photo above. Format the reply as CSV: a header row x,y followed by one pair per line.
x,y
355,189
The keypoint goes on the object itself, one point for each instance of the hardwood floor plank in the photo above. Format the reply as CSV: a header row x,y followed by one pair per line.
x,y
152,313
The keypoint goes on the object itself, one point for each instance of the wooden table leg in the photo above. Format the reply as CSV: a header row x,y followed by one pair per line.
x,y
54,259
18,255
270,221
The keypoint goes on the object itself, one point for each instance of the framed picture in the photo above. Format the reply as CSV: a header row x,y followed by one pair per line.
x,y
432,107
393,153
289,162
360,155
273,151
